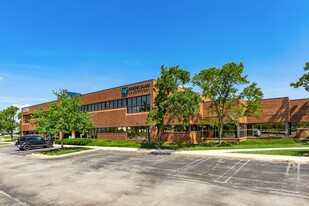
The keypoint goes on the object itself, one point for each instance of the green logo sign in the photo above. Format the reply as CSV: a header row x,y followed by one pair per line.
x,y
124,91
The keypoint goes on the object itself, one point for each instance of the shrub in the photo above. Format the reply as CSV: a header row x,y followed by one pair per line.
x,y
75,141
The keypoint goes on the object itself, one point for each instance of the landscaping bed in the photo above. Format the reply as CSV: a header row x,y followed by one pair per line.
x,y
66,150
252,143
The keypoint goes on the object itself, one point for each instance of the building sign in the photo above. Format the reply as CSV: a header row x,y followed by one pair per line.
x,y
25,110
125,91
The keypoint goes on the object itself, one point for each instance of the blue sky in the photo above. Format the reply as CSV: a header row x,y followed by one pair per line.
x,y
86,46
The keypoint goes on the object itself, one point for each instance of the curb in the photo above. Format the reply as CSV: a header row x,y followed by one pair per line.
x,y
41,156
206,153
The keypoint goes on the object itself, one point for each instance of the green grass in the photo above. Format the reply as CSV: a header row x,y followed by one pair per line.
x,y
8,137
64,151
258,143
278,152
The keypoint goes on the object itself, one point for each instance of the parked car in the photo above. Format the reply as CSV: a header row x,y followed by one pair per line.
x,y
29,142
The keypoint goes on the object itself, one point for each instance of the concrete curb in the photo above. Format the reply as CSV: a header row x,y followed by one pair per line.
x,y
266,158
41,156
228,154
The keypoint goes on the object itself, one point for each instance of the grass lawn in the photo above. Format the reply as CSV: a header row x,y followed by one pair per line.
x,y
255,143
8,137
64,151
279,152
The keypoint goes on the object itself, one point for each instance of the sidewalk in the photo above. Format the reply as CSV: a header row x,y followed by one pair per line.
x,y
228,153
261,157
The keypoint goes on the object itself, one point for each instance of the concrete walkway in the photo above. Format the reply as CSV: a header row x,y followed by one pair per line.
x,y
230,153
223,153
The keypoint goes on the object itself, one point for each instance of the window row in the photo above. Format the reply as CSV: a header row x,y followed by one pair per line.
x,y
133,132
134,104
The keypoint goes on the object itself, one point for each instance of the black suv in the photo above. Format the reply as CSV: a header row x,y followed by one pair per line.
x,y
29,142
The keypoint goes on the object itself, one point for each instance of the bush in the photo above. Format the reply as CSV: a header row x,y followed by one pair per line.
x,y
227,144
75,141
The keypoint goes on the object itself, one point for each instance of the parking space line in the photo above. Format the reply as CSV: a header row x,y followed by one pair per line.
x,y
13,198
190,165
216,164
287,170
236,172
228,170
154,163
298,173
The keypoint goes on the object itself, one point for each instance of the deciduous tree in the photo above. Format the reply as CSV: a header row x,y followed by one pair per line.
x,y
221,86
303,80
170,100
63,116
9,120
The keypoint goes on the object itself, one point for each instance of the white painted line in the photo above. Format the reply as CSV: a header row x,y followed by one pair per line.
x,y
190,165
287,170
236,172
155,163
9,196
298,173
217,180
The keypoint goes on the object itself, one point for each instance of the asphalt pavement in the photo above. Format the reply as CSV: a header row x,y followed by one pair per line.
x,y
103,177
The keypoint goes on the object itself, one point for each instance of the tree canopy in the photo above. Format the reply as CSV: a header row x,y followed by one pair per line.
x,y
221,86
303,80
63,116
170,100
9,120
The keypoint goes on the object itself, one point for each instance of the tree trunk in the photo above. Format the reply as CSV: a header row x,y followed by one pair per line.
x,y
73,134
62,143
12,133
220,132
159,137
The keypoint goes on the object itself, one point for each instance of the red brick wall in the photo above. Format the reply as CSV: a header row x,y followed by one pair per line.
x,y
299,110
179,137
274,110
112,136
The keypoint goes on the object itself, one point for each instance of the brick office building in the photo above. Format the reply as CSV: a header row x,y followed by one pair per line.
x,y
120,113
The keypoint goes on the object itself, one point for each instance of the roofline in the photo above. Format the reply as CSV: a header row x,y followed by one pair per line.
x,y
93,92
299,99
276,98
118,87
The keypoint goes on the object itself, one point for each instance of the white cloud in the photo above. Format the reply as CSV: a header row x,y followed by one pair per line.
x,y
6,99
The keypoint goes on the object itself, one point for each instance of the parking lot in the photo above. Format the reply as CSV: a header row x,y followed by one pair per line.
x,y
123,178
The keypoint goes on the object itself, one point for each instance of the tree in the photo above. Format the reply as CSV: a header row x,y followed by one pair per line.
x,y
63,116
221,86
304,80
179,104
9,120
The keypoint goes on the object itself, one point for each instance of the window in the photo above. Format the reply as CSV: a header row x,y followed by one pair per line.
x,y
115,104
139,104
119,102
134,104
124,102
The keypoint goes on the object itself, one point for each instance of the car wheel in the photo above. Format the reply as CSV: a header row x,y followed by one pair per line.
x,y
49,145
27,147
